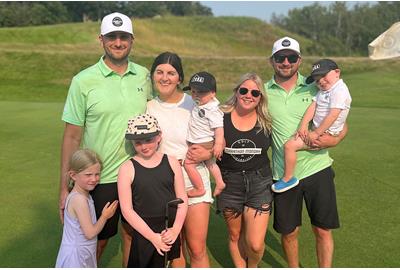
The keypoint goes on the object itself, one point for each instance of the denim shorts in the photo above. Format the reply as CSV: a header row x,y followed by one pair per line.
x,y
246,188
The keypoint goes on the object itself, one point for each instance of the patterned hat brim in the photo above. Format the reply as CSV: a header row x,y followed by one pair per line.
x,y
143,136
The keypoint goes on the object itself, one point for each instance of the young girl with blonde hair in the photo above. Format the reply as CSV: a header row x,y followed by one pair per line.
x,y
79,240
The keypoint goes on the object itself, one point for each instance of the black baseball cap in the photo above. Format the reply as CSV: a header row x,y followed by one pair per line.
x,y
320,68
203,82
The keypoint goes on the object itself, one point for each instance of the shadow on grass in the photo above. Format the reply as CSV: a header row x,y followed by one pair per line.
x,y
272,243
217,241
111,256
38,246
217,244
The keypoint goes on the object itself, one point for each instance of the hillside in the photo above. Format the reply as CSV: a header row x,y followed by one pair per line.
x,y
39,62
188,36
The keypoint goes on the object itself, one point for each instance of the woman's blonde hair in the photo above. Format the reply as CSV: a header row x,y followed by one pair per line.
x,y
263,118
81,160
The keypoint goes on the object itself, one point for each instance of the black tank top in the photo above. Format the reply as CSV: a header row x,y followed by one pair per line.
x,y
244,150
152,188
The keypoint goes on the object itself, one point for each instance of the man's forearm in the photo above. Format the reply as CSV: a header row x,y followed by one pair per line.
x,y
71,142
326,140
68,148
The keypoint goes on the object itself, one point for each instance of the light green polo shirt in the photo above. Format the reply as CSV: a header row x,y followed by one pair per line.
x,y
287,110
101,101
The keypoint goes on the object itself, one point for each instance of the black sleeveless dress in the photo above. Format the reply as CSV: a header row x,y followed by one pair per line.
x,y
152,189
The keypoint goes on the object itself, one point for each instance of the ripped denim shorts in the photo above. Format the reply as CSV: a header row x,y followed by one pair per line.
x,y
245,188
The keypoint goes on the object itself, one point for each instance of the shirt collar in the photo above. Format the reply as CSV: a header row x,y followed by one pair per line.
x,y
212,103
301,81
339,82
106,70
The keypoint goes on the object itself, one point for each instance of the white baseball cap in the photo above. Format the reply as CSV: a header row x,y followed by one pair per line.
x,y
286,43
116,22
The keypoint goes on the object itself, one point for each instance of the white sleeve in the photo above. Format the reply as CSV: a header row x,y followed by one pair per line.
x,y
215,117
340,98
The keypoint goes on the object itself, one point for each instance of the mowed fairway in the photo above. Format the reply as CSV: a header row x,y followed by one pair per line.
x,y
34,83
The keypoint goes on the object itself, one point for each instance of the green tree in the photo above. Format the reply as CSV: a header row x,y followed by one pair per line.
x,y
337,30
142,9
32,13
41,12
48,13
186,8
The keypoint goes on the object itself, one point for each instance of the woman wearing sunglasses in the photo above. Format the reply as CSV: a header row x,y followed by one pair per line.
x,y
246,200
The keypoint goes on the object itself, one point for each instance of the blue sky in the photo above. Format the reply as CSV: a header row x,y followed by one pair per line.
x,y
261,9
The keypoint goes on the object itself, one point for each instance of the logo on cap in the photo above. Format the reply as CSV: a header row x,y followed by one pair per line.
x,y
317,66
197,78
142,127
117,21
286,43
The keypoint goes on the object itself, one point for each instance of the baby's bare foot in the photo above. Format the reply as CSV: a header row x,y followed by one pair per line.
x,y
218,189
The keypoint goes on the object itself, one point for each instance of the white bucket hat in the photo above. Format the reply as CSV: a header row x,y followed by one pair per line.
x,y
286,43
116,22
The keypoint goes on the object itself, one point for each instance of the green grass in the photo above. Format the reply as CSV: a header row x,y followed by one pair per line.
x,y
39,62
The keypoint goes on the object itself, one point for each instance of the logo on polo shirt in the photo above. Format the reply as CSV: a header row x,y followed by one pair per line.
x,y
202,113
117,21
286,43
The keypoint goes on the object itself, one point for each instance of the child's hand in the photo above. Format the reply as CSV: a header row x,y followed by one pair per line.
x,y
311,137
159,244
109,209
302,132
218,150
169,236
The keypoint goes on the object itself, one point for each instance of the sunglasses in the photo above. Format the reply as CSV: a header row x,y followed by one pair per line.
x,y
255,93
280,58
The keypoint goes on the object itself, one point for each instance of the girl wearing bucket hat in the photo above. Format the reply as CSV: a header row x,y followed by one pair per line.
x,y
146,183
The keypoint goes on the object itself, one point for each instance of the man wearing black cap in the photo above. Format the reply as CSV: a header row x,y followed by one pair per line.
x,y
100,100
288,98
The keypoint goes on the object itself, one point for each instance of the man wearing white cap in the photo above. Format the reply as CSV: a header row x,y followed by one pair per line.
x,y
288,98
100,101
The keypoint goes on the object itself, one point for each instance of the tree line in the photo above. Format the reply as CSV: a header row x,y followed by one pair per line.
x,y
338,30
52,12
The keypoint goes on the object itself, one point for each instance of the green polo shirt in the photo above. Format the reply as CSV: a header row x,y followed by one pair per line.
x,y
287,110
101,101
